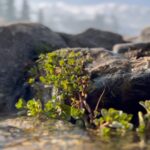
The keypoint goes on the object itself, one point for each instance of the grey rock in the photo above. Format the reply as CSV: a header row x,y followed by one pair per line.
x,y
145,35
20,45
131,50
125,81
93,38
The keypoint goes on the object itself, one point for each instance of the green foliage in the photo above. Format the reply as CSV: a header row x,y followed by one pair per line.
x,y
146,105
77,113
65,73
34,107
112,119
20,104
142,126
144,119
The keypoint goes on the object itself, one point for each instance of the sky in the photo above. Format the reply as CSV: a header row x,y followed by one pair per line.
x,y
89,2
131,15
93,2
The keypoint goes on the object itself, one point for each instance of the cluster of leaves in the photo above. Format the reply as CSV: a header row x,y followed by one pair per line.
x,y
64,73
144,119
34,108
113,120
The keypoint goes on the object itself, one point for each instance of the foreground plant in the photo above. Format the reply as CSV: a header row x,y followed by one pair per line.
x,y
114,120
64,73
144,119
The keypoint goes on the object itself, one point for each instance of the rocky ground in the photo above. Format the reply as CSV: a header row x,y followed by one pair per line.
x,y
25,133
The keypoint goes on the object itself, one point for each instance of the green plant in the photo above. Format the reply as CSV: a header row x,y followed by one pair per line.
x,y
144,119
33,107
112,119
63,72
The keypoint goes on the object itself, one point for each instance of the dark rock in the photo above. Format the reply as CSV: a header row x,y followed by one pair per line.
x,y
131,50
19,46
93,38
125,81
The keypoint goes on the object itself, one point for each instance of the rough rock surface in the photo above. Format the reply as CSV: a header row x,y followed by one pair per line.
x,y
24,133
93,38
126,81
19,45
131,50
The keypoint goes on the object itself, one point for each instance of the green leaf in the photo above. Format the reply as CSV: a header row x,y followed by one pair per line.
x,y
77,113
48,106
34,107
20,104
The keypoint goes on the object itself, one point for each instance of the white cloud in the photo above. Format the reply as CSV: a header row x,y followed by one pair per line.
x,y
130,17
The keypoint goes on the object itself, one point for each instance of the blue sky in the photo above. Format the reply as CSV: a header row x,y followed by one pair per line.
x,y
90,2
133,2
131,15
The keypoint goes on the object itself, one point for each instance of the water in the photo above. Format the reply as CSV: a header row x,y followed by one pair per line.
x,y
22,133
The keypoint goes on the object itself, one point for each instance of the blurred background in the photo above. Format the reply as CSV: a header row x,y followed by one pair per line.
x,y
127,17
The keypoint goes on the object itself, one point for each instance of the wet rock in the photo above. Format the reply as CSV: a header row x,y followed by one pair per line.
x,y
20,45
93,38
133,50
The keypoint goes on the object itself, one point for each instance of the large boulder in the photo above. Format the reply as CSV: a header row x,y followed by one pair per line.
x,y
125,81
131,50
19,46
93,38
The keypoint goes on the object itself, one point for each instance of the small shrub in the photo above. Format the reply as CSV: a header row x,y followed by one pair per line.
x,y
65,73
112,119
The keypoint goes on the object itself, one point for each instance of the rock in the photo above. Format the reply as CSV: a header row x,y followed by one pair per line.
x,y
131,50
130,39
93,38
125,81
145,35
19,46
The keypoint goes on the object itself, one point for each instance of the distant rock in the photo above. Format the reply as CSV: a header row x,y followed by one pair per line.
x,y
19,46
145,35
131,50
93,38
